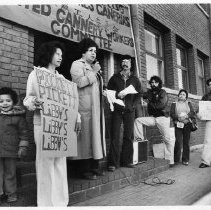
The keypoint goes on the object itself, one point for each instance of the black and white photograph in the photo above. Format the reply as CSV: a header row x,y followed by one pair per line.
x,y
105,104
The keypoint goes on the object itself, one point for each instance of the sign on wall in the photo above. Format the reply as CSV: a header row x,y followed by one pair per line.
x,y
58,114
108,25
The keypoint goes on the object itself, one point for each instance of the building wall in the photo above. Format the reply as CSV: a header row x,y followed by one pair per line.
x,y
16,55
16,62
185,21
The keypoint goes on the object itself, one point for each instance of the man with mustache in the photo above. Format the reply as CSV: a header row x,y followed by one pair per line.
x,y
157,101
125,114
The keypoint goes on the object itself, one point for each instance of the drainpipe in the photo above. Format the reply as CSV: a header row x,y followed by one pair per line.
x,y
133,13
209,74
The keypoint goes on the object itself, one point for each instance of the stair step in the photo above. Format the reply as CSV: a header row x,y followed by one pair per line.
x,y
81,189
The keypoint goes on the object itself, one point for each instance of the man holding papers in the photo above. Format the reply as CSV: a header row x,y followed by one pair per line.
x,y
127,89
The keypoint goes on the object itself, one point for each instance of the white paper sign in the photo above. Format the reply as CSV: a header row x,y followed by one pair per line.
x,y
107,24
58,114
205,110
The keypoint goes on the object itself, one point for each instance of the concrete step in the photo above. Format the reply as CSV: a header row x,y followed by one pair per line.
x,y
82,189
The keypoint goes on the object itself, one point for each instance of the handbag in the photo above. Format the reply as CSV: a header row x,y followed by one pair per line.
x,y
193,125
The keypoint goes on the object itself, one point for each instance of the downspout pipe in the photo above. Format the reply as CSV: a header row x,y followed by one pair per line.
x,y
133,12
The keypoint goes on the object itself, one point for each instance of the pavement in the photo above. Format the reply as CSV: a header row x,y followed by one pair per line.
x,y
204,201
179,185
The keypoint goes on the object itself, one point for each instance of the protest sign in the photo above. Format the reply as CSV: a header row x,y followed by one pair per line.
x,y
107,24
58,114
205,110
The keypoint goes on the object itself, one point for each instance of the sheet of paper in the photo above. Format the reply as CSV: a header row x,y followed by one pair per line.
x,y
111,96
129,90
205,110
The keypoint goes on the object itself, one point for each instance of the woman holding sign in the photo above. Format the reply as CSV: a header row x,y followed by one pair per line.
x,y
85,73
51,172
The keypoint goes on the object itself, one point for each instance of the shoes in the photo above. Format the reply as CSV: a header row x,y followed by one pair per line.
x,y
89,176
3,198
130,165
98,172
185,163
203,165
171,165
111,168
12,198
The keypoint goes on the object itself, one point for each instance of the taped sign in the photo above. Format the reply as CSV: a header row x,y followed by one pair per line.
x,y
58,114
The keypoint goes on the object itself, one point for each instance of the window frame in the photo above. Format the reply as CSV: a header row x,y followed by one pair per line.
x,y
183,68
159,55
203,72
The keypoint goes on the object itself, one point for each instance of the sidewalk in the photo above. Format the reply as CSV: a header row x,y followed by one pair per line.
x,y
191,184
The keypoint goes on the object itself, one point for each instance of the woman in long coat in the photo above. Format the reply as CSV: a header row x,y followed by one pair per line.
x,y
85,73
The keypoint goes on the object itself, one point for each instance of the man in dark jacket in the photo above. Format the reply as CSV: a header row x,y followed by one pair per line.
x,y
119,82
157,101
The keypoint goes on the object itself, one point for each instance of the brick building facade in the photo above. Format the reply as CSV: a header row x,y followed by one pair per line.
x,y
178,26
173,38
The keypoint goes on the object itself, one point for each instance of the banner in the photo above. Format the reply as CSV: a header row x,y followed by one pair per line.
x,y
205,110
109,25
58,114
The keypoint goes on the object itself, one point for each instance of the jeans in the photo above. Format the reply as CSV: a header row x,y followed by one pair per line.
x,y
126,156
182,138
8,182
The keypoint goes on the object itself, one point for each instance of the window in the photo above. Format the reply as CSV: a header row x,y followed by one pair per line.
x,y
182,69
154,53
201,82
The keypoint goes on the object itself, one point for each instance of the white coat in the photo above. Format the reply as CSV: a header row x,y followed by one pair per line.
x,y
91,141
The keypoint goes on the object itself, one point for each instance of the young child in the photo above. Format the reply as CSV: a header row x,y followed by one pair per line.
x,y
13,141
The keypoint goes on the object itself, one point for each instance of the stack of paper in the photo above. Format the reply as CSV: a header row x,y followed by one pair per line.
x,y
111,96
129,90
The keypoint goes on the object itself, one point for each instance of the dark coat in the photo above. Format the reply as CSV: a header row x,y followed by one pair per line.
x,y
206,97
118,84
157,102
13,133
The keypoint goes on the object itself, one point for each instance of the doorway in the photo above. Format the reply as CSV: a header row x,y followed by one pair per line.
x,y
71,52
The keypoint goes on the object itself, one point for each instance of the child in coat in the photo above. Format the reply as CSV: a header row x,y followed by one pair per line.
x,y
13,141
